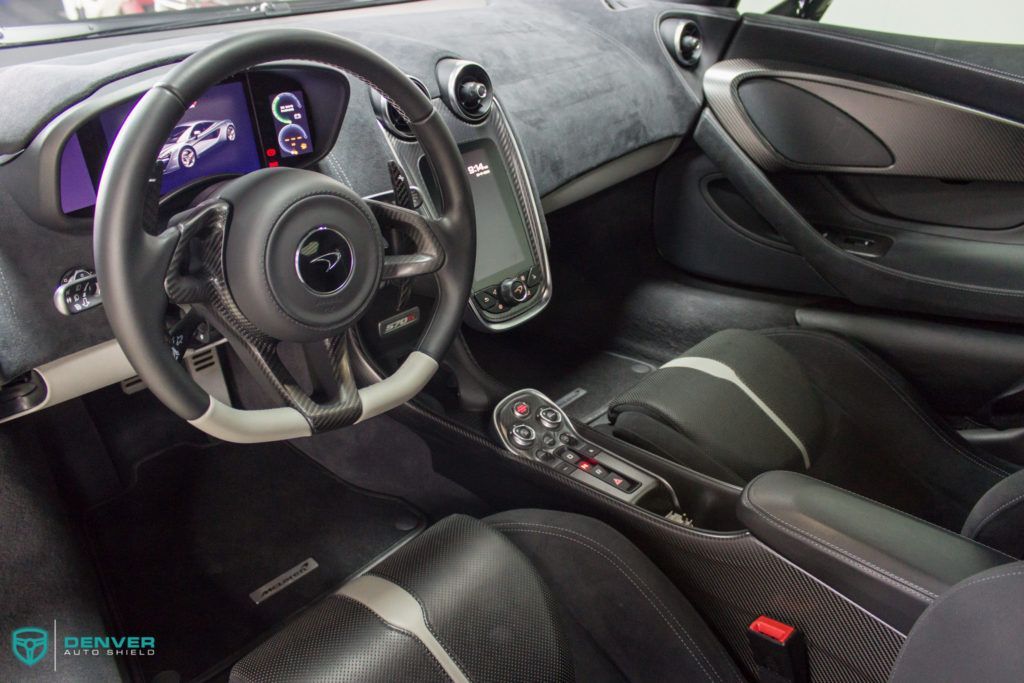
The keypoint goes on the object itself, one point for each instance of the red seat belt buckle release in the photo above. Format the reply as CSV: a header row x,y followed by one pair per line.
x,y
779,651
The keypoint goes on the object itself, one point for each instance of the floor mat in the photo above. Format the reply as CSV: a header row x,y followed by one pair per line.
x,y
202,528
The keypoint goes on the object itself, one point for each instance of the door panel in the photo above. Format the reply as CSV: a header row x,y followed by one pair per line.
x,y
884,171
841,124
807,122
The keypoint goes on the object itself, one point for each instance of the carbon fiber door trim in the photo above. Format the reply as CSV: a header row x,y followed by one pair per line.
x,y
927,136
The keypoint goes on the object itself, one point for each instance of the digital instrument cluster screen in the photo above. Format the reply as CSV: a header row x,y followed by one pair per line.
x,y
76,187
291,124
215,136
234,128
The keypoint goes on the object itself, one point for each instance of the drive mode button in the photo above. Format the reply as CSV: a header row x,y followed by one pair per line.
x,y
523,435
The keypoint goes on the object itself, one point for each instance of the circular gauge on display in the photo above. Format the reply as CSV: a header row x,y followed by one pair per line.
x,y
286,107
293,139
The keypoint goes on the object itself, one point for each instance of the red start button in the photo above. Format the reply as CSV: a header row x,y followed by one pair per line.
x,y
521,409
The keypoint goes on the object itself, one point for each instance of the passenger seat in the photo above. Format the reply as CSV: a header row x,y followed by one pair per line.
x,y
741,403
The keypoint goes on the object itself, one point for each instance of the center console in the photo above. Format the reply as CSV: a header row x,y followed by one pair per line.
x,y
531,425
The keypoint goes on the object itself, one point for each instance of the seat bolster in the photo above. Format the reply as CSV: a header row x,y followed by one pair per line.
x,y
997,519
621,612
340,640
971,633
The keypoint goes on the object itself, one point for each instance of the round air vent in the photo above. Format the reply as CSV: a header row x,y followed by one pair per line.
x,y
683,39
466,89
390,117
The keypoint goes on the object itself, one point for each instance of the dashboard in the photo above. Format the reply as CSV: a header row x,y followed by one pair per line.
x,y
569,105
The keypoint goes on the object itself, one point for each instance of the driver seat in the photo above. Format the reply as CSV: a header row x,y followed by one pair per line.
x,y
532,595
529,595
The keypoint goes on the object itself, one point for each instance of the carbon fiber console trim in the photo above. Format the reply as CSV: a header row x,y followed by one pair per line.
x,y
926,135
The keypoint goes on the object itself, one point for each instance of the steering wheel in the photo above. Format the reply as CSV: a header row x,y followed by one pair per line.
x,y
279,254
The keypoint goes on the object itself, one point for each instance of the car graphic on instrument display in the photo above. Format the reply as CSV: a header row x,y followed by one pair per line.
x,y
189,141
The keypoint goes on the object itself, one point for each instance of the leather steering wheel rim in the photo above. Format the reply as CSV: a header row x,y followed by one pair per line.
x,y
132,264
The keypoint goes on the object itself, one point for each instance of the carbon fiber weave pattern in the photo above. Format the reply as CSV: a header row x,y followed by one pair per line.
x,y
429,256
202,232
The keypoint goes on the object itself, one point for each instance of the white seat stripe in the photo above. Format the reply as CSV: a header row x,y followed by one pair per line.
x,y
722,371
395,605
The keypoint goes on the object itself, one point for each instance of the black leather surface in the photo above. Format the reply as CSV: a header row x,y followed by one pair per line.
x,y
892,564
972,633
340,640
989,77
922,271
808,130
483,601
977,362
619,610
864,426
526,595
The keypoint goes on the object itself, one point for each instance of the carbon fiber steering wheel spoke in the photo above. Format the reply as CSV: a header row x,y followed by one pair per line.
x,y
420,231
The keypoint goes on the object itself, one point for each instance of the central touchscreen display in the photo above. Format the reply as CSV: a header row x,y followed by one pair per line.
x,y
214,136
502,247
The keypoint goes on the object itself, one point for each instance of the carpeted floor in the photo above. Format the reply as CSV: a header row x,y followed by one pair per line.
x,y
203,527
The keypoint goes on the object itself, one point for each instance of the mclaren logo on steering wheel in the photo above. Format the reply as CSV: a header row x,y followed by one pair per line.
x,y
324,260
330,259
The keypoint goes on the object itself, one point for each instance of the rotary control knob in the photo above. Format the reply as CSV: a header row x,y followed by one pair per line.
x,y
472,95
522,435
550,417
513,291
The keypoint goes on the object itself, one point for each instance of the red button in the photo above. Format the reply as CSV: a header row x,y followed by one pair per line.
x,y
775,630
585,466
522,408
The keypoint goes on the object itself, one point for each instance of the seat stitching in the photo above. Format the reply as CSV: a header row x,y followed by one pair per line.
x,y
667,618
899,393
835,551
989,516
